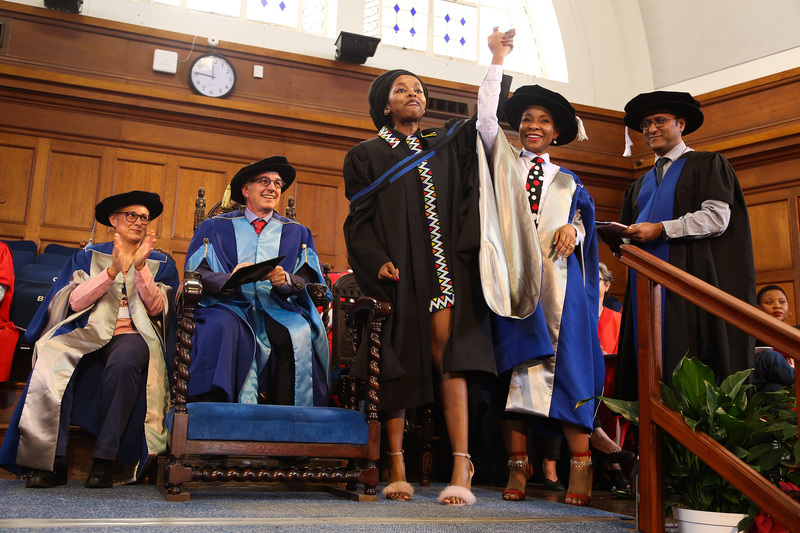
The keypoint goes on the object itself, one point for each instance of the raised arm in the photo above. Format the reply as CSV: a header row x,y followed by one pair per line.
x,y
500,44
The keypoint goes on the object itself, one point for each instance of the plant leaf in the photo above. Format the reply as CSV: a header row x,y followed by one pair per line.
x,y
689,378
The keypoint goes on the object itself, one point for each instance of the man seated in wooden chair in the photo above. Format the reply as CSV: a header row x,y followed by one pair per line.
x,y
261,341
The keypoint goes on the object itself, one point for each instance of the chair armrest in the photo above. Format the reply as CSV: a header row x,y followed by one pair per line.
x,y
318,293
190,292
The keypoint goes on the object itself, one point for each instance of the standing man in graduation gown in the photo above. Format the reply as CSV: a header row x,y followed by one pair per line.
x,y
688,210
261,342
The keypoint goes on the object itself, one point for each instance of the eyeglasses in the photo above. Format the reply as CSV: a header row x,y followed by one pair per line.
x,y
131,217
658,121
265,181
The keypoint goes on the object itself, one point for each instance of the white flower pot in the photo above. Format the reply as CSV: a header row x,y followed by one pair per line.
x,y
691,521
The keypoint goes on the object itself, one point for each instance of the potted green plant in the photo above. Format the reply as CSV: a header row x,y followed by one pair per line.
x,y
760,429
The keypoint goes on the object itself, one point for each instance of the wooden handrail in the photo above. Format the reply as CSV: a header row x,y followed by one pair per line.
x,y
655,416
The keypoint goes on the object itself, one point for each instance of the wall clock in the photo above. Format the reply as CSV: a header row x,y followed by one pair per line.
x,y
212,75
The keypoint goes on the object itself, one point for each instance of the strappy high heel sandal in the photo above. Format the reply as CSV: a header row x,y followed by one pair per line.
x,y
398,490
519,495
578,464
457,491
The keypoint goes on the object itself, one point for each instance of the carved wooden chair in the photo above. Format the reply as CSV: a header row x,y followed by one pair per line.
x,y
419,422
217,442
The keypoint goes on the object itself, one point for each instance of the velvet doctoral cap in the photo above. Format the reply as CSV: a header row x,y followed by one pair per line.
x,y
378,95
112,204
561,110
276,163
680,104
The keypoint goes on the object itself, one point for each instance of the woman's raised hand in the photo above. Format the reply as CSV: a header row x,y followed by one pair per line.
x,y
144,250
501,44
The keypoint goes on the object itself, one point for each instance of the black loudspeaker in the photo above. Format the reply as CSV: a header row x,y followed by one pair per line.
x,y
355,48
70,6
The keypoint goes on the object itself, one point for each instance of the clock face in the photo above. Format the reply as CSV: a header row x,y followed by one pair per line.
x,y
212,75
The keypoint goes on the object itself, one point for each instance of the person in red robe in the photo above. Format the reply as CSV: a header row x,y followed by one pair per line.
x,y
8,332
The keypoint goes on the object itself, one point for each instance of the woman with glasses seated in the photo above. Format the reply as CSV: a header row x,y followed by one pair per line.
x,y
99,355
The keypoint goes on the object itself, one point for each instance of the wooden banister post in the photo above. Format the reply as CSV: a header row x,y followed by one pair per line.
x,y
651,474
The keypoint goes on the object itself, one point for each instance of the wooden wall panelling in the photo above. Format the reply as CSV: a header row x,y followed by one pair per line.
x,y
17,156
319,198
776,241
68,177
189,175
773,174
770,227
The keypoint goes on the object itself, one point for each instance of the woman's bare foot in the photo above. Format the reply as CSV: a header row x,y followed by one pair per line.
x,y
398,488
519,471
580,480
602,442
458,492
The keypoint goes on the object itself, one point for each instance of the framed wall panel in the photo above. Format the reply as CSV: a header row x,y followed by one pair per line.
x,y
772,236
74,175
316,203
17,155
192,174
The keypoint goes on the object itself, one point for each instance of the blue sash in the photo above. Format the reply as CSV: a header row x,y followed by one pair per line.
x,y
656,203
403,166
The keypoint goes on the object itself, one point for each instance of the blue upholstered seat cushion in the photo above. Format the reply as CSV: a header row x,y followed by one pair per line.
x,y
274,423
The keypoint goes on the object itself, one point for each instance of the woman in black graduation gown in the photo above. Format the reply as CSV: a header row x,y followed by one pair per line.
x,y
413,237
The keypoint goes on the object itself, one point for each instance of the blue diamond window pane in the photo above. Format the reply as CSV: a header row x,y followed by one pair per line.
x,y
462,41
446,38
412,31
282,6
413,11
463,21
396,8
396,28
264,3
447,18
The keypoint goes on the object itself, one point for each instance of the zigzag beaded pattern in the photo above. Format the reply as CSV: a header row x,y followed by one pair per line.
x,y
447,298
387,135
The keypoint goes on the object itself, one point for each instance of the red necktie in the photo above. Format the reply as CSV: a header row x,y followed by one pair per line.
x,y
259,224
534,186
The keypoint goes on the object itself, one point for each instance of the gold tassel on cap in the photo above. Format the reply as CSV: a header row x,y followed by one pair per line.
x,y
581,130
226,197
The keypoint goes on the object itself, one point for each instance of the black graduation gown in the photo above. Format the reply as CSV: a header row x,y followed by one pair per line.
x,y
725,261
390,225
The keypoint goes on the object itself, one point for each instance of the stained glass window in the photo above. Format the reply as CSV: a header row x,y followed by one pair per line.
x,y
455,28
311,16
458,29
404,24
282,12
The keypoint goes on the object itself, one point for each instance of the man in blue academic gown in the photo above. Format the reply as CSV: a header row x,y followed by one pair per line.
x,y
688,210
264,341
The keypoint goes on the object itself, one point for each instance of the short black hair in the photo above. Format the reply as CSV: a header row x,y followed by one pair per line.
x,y
769,288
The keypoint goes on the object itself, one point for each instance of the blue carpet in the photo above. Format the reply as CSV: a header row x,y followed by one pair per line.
x,y
140,508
